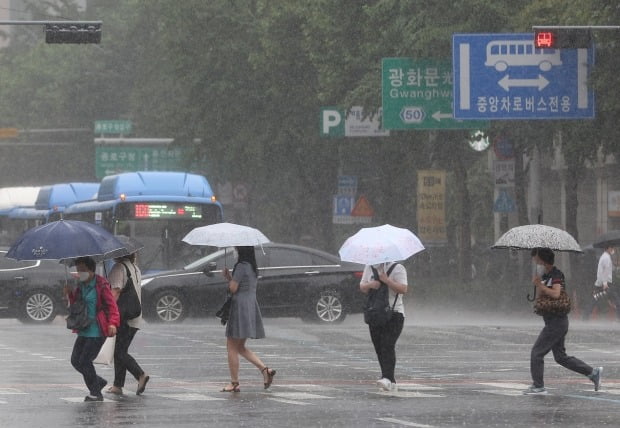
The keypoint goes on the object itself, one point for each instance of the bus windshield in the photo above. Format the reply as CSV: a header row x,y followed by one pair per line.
x,y
157,209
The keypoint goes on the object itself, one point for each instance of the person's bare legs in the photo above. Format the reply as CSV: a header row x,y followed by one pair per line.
x,y
236,347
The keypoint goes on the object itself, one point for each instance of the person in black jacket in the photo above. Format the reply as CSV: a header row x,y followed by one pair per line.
x,y
549,280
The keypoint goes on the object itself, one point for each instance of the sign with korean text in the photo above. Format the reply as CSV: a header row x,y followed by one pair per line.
x,y
613,203
431,211
351,123
115,159
417,94
504,76
504,173
122,127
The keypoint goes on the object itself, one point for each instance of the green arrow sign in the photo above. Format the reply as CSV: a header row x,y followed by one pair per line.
x,y
417,94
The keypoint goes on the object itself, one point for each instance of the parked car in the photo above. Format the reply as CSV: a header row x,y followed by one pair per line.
x,y
293,281
31,291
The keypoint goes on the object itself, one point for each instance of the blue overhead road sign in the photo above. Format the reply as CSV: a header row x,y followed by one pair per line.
x,y
503,76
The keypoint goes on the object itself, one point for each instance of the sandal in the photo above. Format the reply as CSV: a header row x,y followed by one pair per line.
x,y
270,374
115,390
234,388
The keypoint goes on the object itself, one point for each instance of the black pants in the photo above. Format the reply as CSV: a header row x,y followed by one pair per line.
x,y
85,350
124,362
551,338
612,296
384,340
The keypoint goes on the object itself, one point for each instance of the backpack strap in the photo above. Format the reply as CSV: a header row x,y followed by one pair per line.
x,y
129,277
388,273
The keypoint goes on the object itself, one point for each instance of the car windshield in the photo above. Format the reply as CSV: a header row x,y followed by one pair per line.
x,y
213,257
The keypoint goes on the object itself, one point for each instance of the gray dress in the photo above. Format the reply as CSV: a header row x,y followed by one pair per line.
x,y
245,318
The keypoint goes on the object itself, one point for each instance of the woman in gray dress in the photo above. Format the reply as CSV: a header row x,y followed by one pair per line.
x,y
245,319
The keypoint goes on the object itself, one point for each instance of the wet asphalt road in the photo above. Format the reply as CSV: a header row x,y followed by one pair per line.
x,y
452,373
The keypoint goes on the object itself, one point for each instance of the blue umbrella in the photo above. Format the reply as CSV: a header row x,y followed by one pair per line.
x,y
65,239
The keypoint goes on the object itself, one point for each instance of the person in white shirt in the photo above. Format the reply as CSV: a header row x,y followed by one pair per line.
x,y
603,289
384,338
123,361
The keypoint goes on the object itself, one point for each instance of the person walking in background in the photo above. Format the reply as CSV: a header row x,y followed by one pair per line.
x,y
384,338
94,290
603,289
125,273
245,320
549,280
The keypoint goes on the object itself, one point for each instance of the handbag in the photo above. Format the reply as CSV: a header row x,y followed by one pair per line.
x,y
128,302
78,316
377,310
547,305
106,353
224,312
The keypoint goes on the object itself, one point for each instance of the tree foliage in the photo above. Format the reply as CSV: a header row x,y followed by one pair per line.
x,y
240,84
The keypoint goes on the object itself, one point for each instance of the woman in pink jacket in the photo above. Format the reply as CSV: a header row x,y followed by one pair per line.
x,y
95,291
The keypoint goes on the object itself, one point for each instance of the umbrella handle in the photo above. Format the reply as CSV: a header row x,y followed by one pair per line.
x,y
531,299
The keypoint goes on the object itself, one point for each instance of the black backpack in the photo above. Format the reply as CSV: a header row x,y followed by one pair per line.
x,y
377,310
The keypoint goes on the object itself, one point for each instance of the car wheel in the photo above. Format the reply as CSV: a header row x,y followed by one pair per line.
x,y
37,307
169,306
328,307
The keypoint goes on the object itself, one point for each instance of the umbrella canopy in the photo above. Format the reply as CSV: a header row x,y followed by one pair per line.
x,y
64,239
537,236
609,239
225,235
381,244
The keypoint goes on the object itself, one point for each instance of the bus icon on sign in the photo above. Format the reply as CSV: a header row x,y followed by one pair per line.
x,y
504,53
410,114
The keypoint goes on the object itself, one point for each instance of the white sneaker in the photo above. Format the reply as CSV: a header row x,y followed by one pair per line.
x,y
384,384
394,387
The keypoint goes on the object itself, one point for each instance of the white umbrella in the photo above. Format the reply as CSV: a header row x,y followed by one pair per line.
x,y
532,236
381,244
225,235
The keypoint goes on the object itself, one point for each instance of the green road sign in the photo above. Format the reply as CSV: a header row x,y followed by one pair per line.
x,y
113,127
116,159
417,94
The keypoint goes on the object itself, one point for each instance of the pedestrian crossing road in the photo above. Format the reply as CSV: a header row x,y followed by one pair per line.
x,y
463,373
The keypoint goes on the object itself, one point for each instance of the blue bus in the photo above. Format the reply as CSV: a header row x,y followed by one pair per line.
x,y
50,200
156,208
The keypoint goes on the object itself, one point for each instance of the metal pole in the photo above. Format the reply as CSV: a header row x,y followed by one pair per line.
x,y
50,22
577,27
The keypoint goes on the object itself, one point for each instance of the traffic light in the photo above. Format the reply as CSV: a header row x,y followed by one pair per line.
x,y
73,33
562,38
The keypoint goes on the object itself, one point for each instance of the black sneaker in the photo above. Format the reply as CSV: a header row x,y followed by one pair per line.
x,y
595,377
93,398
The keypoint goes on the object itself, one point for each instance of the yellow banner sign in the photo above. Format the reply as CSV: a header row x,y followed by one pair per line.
x,y
431,206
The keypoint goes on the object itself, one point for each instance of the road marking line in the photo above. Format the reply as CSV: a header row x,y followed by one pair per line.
x,y
11,391
508,385
81,400
408,394
190,397
282,400
298,395
404,423
506,392
584,397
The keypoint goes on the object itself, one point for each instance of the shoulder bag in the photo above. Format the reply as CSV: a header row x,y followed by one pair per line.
x,y
128,301
224,312
547,305
78,315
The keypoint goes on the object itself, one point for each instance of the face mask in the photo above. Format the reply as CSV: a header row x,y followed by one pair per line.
x,y
540,270
83,276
